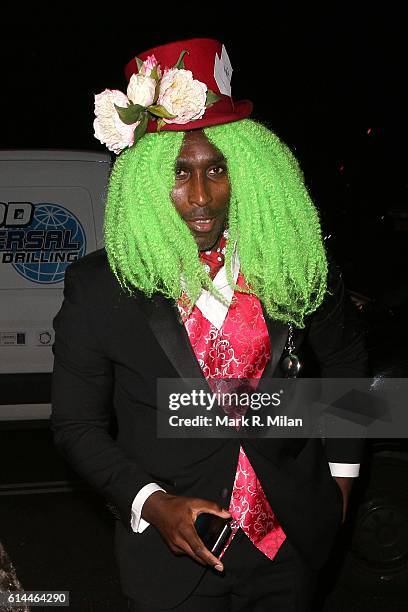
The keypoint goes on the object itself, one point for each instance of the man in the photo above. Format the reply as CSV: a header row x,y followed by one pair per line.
x,y
213,267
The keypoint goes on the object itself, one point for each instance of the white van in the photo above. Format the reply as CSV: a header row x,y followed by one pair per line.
x,y
51,213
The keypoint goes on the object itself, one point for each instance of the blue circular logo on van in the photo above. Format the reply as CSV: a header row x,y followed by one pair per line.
x,y
45,248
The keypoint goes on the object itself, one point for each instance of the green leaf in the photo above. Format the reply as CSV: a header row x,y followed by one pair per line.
x,y
130,114
154,74
156,92
141,128
160,124
211,98
159,111
139,63
180,62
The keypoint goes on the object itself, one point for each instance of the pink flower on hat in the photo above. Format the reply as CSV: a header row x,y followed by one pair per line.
x,y
109,128
182,95
148,65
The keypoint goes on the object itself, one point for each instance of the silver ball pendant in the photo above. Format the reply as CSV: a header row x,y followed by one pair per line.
x,y
291,365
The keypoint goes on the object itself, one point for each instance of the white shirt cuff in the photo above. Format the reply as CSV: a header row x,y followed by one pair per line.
x,y
348,470
137,523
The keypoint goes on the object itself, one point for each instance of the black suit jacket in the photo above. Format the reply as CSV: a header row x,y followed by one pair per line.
x,y
109,351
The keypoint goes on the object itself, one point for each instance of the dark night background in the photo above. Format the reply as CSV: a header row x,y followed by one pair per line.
x,y
331,84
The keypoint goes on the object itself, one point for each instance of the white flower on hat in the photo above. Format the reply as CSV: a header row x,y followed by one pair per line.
x,y
141,90
109,128
172,97
183,96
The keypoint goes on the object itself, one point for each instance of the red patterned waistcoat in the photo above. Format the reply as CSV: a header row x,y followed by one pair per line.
x,y
237,347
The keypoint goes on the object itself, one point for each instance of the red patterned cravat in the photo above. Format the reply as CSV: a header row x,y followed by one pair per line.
x,y
239,349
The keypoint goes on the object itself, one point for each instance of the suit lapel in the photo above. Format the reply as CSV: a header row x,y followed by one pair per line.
x,y
278,334
163,318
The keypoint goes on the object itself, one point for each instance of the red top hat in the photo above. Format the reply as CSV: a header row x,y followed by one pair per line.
x,y
207,60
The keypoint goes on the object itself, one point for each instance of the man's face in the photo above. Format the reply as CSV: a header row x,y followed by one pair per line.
x,y
202,190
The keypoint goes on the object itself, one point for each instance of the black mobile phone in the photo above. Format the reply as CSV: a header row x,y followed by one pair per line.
x,y
214,531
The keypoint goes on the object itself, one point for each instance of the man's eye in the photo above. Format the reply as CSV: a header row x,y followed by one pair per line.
x,y
180,173
218,170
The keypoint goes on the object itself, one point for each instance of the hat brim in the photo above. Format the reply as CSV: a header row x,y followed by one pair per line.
x,y
242,110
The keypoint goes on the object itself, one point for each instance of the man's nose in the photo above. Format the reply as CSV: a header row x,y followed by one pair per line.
x,y
199,192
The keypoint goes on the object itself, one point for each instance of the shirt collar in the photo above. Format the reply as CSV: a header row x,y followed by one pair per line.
x,y
211,307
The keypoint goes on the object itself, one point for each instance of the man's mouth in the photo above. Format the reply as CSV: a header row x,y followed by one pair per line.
x,y
201,226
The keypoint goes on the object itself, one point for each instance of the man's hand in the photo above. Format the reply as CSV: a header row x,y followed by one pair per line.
x,y
174,517
345,485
